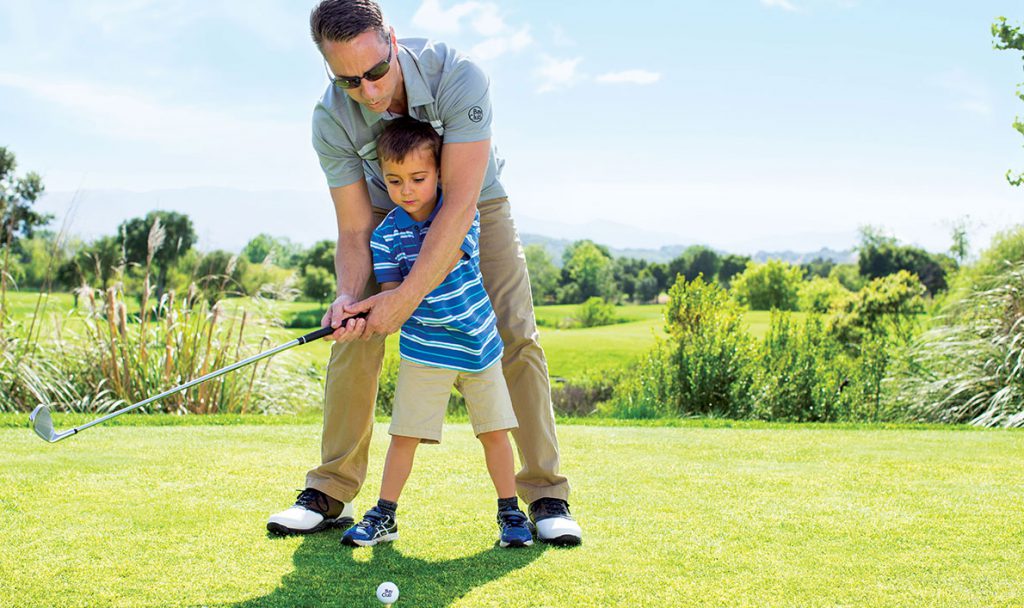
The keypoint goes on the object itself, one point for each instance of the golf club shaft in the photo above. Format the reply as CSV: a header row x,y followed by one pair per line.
x,y
311,336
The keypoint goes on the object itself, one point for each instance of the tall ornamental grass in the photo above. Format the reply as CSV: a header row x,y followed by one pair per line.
x,y
969,367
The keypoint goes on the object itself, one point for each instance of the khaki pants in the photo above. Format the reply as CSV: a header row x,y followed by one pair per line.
x,y
351,388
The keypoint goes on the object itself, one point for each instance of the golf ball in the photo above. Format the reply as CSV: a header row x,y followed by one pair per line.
x,y
387,592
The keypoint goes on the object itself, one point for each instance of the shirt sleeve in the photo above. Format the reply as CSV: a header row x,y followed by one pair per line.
x,y
338,157
471,244
385,266
464,103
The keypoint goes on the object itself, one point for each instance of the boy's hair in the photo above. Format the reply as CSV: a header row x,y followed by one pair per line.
x,y
403,135
343,20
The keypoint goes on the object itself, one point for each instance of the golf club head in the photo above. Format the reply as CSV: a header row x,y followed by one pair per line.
x,y
42,423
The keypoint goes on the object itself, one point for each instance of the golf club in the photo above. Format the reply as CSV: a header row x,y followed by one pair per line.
x,y
42,421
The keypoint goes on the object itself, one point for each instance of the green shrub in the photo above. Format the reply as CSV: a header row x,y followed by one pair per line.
x,y
595,312
886,309
772,285
646,391
801,372
821,295
703,367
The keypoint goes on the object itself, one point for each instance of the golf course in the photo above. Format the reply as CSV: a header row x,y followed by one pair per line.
x,y
694,514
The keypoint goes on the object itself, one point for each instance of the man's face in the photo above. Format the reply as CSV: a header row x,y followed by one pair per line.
x,y
412,183
357,56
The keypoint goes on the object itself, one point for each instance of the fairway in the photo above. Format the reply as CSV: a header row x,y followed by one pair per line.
x,y
769,515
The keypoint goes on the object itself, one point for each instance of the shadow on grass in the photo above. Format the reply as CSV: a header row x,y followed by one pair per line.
x,y
328,574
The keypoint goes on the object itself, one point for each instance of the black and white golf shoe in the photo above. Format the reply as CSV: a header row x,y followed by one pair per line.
x,y
553,523
313,511
376,527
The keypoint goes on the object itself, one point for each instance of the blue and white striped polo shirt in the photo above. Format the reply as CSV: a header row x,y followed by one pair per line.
x,y
454,326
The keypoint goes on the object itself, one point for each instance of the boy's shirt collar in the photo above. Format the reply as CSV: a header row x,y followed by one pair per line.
x,y
404,220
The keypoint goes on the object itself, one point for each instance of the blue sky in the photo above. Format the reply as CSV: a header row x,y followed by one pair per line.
x,y
741,124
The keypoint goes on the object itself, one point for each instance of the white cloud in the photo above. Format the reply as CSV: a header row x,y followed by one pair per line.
x,y
431,17
499,45
238,140
629,77
484,19
785,5
558,73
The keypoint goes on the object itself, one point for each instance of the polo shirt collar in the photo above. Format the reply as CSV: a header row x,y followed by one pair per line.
x,y
417,93
404,220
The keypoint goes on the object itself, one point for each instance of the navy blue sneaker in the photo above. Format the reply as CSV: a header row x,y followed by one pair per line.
x,y
514,531
376,527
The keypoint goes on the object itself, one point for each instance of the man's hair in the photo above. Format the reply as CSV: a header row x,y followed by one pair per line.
x,y
403,135
343,20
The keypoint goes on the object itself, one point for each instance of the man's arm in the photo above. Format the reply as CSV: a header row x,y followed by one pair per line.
x,y
463,166
352,261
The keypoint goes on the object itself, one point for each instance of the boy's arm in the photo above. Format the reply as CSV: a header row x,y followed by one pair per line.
x,y
389,285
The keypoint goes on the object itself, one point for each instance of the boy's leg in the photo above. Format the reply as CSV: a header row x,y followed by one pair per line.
x,y
503,265
500,464
490,412
421,396
397,466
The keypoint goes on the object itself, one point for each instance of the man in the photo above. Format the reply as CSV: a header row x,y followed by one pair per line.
x,y
375,77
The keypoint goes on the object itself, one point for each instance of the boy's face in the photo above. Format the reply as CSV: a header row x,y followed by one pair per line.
x,y
412,183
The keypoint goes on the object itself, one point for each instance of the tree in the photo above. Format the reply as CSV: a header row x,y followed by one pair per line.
x,y
1010,38
696,260
320,255
732,265
646,286
95,264
879,256
818,267
179,236
543,274
588,272
17,196
772,285
219,273
627,273
317,284
961,246
281,251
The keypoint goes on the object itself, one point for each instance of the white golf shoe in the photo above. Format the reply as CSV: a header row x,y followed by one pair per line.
x,y
313,511
553,523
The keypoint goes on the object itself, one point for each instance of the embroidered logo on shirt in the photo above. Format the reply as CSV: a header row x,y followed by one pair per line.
x,y
476,113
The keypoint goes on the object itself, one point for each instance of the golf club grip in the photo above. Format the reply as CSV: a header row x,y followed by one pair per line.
x,y
323,332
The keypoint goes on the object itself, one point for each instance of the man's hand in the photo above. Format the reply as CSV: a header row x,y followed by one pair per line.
x,y
347,328
386,312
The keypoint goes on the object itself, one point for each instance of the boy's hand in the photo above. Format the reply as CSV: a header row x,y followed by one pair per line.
x,y
347,328
386,312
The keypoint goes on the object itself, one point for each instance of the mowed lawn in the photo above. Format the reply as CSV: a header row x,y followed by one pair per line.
x,y
759,516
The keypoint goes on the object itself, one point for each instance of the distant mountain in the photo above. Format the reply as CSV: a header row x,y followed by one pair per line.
x,y
839,257
555,247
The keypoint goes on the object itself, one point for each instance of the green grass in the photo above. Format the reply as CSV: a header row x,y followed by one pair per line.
x,y
796,516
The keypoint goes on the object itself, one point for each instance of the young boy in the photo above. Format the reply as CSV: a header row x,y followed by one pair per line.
x,y
451,338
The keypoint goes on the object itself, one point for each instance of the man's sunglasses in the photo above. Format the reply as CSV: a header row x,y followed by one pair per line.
x,y
373,74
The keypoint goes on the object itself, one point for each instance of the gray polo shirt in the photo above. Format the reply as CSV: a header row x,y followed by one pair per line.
x,y
443,87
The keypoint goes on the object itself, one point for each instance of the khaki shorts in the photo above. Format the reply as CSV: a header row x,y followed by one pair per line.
x,y
421,399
